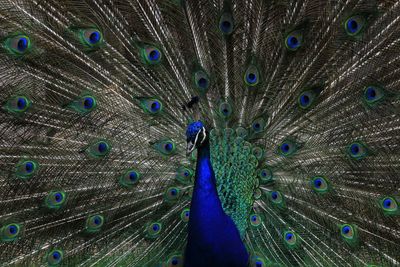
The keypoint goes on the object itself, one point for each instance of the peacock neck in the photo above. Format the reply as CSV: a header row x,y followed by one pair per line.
x,y
213,239
205,177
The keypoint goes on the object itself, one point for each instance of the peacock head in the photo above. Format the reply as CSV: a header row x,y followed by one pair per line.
x,y
196,135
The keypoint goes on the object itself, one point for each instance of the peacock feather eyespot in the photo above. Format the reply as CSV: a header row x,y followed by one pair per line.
x,y
320,184
355,25
294,40
153,230
291,239
84,104
152,106
184,175
26,169
357,150
389,205
94,223
129,178
18,45
165,147
258,125
91,37
255,220
225,110
265,175
10,232
175,261
373,95
252,76
276,198
226,23
185,214
55,199
306,99
54,257
349,233
150,54
241,132
201,80
172,194
18,104
257,260
287,148
99,149
258,152
257,194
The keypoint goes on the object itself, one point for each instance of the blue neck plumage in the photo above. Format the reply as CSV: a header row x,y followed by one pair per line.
x,y
213,237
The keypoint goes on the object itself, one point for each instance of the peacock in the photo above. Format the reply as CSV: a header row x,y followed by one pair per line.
x,y
218,133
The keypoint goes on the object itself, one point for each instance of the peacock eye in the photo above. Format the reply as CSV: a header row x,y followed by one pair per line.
x,y
154,229
18,45
225,110
151,55
55,257
172,194
10,232
255,220
291,239
306,99
287,148
91,37
241,132
185,215
389,205
257,261
257,194
347,231
130,178
88,103
294,40
184,174
276,197
26,169
373,94
357,150
94,223
251,76
355,24
18,104
165,147
265,175
201,80
258,152
226,23
319,184
99,149
84,104
258,125
151,106
175,261
55,199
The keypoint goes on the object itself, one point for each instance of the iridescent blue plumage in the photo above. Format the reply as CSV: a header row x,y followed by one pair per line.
x,y
213,239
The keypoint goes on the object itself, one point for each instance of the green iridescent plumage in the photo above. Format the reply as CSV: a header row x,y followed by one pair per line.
x,y
235,185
